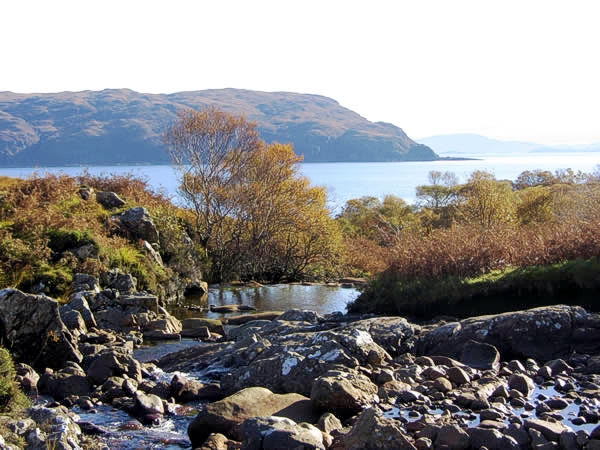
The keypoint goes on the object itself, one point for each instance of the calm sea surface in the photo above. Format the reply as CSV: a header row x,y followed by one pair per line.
x,y
345,181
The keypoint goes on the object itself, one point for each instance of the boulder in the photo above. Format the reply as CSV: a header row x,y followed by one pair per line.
x,y
458,375
394,334
138,224
285,358
372,431
343,393
32,329
300,315
225,416
71,380
550,430
87,251
148,408
191,324
452,437
109,200
112,362
184,390
491,439
73,321
27,378
164,323
328,423
122,282
276,433
85,192
218,441
60,430
84,282
480,356
521,383
243,318
279,355
79,303
196,288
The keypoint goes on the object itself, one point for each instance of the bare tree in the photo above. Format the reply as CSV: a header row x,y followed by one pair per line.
x,y
210,150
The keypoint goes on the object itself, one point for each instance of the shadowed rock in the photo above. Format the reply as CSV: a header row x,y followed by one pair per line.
x,y
32,329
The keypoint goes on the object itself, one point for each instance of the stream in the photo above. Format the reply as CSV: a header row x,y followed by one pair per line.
x,y
124,432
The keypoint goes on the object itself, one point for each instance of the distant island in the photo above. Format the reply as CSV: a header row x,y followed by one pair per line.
x,y
477,145
121,126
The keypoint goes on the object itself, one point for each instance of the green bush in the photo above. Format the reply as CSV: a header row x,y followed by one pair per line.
x,y
56,280
12,398
62,240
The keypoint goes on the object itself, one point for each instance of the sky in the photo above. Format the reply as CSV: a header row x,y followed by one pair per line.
x,y
524,70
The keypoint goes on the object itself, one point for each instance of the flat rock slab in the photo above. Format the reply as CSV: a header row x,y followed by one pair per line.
x,y
243,318
230,308
550,430
226,416
543,333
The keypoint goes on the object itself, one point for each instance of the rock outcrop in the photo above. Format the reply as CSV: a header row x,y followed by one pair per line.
x,y
138,224
32,329
109,200
541,333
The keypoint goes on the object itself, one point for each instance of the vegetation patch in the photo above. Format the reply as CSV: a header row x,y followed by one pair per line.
x,y
575,282
485,246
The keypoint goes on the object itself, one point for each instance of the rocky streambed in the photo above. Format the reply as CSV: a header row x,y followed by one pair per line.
x,y
519,380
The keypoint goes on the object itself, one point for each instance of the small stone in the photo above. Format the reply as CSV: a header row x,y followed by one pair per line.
x,y
521,383
442,384
458,376
423,443
557,403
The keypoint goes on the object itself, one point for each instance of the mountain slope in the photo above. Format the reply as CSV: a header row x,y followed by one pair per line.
x,y
121,126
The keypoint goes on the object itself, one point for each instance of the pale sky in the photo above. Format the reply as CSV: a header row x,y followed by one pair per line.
x,y
523,70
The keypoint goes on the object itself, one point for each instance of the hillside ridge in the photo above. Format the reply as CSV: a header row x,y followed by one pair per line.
x,y
122,126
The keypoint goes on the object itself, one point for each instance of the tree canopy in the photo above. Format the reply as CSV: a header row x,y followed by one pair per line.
x,y
256,216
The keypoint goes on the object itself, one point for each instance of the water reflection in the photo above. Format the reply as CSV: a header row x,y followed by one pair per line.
x,y
323,299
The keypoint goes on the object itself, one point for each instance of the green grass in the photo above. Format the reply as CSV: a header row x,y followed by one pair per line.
x,y
61,240
56,278
570,282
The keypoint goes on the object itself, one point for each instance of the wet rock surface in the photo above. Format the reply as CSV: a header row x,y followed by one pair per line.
x,y
404,379
303,380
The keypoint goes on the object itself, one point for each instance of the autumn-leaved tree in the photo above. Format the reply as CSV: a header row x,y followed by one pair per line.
x,y
441,192
488,202
256,215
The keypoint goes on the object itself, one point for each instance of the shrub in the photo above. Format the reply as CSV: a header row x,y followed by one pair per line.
x,y
12,398
52,280
62,240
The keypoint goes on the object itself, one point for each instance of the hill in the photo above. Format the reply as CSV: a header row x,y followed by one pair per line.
x,y
121,126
